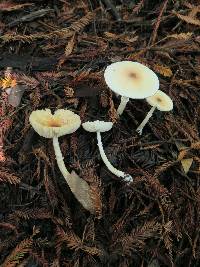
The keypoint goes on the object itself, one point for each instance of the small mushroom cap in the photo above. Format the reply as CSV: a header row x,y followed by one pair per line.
x,y
97,126
131,79
161,101
51,125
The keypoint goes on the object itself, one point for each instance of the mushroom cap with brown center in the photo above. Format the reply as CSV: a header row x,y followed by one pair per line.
x,y
97,126
161,101
131,79
51,125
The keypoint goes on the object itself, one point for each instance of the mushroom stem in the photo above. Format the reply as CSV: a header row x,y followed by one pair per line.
x,y
122,105
146,119
59,159
78,186
111,168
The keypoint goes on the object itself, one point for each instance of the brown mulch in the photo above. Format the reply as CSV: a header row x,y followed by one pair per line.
x,y
58,51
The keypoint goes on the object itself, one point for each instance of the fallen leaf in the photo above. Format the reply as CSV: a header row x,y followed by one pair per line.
x,y
180,145
186,164
15,95
81,191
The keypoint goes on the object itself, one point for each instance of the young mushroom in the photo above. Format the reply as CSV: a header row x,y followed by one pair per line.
x,y
99,127
161,101
60,123
130,80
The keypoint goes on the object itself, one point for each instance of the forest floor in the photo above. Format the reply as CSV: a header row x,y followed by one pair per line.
x,y
53,55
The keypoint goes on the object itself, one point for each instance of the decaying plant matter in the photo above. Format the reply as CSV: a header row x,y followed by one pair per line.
x,y
58,51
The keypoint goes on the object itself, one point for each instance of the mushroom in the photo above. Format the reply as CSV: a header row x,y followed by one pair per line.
x,y
53,126
130,80
161,101
99,127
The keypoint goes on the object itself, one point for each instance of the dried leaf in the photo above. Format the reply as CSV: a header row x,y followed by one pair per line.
x,y
186,164
81,191
15,95
180,146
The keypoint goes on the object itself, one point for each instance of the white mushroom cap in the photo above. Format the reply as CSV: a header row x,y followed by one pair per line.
x,y
97,126
51,125
161,101
131,79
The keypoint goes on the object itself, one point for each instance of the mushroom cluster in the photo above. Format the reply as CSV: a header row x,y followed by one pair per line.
x,y
136,81
127,79
55,125
130,80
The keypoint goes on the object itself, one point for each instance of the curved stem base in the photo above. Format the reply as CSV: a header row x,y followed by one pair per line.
x,y
78,186
111,168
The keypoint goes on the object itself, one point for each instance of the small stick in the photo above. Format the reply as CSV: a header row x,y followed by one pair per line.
x,y
157,24
30,17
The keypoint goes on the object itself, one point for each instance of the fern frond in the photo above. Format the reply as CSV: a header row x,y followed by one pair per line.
x,y
8,226
10,6
70,45
188,19
136,239
27,214
27,80
163,168
138,6
18,253
181,36
39,259
62,33
73,242
81,23
6,176
70,238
